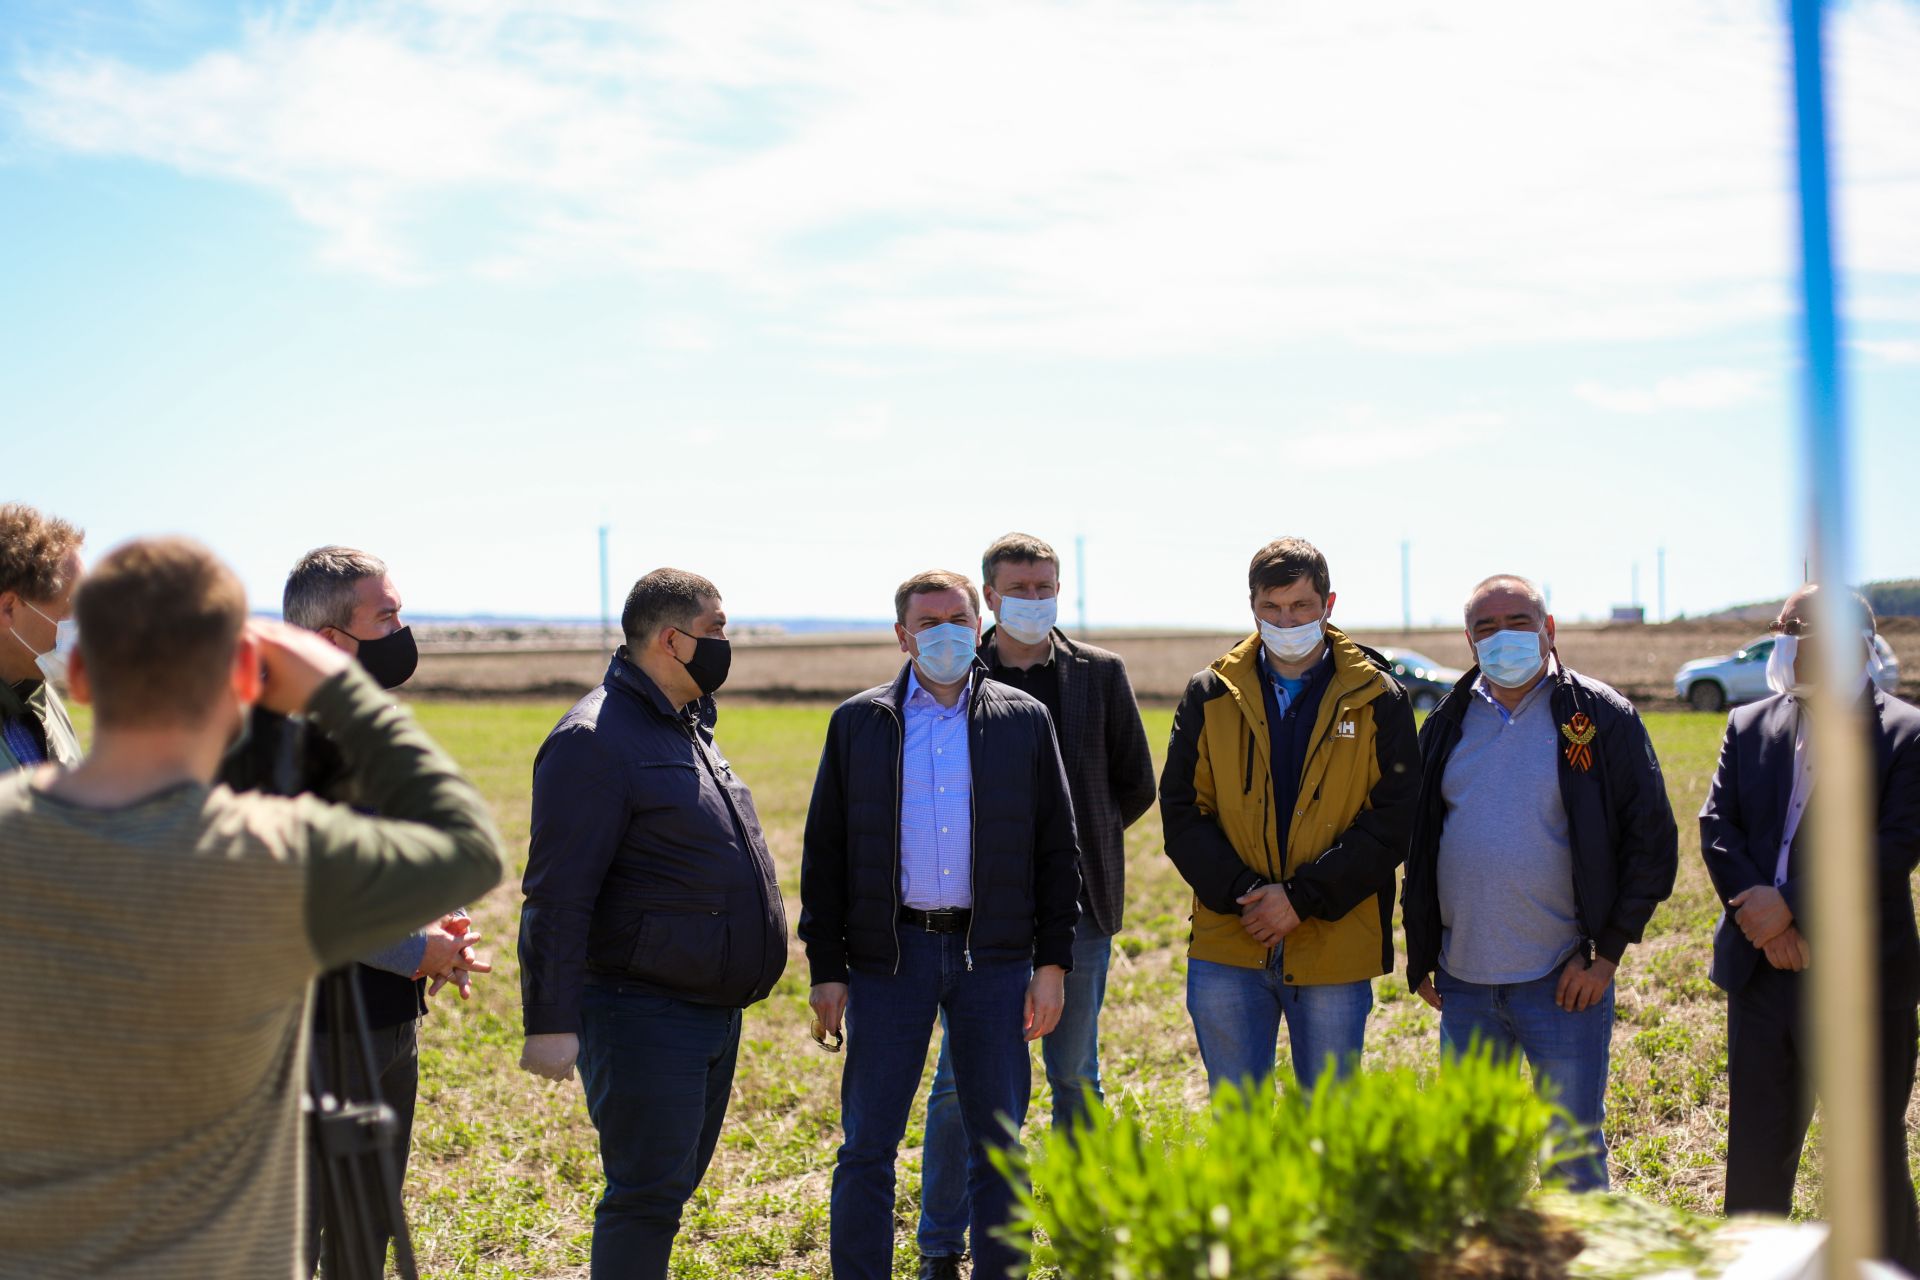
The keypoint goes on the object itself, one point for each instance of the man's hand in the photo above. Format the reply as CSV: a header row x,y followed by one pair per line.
x,y
296,662
458,968
446,938
551,1055
829,1003
1046,997
1789,951
1266,914
1761,913
1428,992
1581,984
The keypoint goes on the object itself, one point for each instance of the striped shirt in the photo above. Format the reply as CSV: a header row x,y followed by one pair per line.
x,y
936,802
158,958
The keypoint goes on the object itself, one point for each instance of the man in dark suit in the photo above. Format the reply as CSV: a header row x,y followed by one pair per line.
x,y
1752,836
1110,770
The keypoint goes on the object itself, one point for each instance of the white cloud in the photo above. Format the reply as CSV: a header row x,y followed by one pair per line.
x,y
1891,351
1701,389
1098,178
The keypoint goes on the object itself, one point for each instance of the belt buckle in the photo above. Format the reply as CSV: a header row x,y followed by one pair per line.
x,y
930,920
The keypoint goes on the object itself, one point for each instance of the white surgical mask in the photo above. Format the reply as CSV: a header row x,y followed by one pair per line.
x,y
1293,644
1028,621
1786,652
944,653
1510,658
53,663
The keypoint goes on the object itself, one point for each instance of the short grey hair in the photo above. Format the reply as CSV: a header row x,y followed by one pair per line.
x,y
1505,582
320,590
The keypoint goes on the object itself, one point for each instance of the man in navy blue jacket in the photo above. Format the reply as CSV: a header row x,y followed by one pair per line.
x,y
940,875
1751,835
652,917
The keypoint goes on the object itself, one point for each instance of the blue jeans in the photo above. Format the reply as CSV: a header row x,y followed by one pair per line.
x,y
1072,1056
890,1020
657,1073
1568,1051
1236,1017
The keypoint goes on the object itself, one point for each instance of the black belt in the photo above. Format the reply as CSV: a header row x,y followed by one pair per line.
x,y
946,920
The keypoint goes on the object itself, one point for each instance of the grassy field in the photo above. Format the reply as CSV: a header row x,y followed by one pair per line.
x,y
505,1168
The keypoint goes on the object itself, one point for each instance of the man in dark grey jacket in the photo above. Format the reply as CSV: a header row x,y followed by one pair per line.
x,y
1110,771
653,916
939,878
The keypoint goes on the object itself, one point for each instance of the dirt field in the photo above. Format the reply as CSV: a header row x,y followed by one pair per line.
x,y
1639,661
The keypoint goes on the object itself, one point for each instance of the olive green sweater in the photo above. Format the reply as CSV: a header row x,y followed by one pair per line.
x,y
155,962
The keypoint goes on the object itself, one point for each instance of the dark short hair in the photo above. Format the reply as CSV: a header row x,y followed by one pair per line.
x,y
664,598
32,545
1285,561
320,590
159,619
932,580
1015,548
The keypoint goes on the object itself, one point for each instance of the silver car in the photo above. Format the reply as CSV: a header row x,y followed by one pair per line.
x,y
1714,684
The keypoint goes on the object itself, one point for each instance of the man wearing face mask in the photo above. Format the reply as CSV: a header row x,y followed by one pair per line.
x,y
1750,836
1110,769
349,598
939,879
653,915
1542,843
1286,799
39,569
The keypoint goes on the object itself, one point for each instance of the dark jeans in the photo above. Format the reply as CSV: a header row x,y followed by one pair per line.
x,y
890,1021
396,1057
657,1073
1071,1054
1568,1052
1769,1064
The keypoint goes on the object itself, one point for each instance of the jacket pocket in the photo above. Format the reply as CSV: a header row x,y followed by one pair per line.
x,y
681,942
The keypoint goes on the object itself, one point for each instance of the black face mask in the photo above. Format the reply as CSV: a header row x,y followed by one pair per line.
x,y
390,660
712,657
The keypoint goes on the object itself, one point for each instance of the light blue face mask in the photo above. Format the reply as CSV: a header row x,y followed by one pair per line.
x,y
1510,658
944,653
1028,621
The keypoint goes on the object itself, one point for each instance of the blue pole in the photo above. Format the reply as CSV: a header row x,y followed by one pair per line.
x,y
1842,977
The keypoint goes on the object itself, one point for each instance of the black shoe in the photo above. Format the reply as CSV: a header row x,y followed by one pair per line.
x,y
944,1268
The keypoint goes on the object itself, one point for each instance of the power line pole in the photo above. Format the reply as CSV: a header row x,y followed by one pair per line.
x,y
1406,587
1080,575
606,611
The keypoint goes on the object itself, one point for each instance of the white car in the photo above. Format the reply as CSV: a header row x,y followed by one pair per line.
x,y
1714,684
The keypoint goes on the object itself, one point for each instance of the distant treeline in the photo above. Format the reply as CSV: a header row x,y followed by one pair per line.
x,y
1896,598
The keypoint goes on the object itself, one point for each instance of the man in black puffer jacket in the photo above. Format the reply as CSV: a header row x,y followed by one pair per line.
x,y
940,874
653,916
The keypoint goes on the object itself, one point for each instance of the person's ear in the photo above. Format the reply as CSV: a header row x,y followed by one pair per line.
x,y
992,598
247,676
79,683
1549,630
1328,611
900,634
340,640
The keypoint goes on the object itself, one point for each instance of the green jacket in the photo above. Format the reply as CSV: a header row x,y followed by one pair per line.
x,y
41,703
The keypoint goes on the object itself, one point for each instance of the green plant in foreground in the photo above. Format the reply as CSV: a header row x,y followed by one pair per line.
x,y
1377,1174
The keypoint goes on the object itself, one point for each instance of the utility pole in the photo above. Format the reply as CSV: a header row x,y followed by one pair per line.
x,y
1661,561
606,612
1406,587
1080,576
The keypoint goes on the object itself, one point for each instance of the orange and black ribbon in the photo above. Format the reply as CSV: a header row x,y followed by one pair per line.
x,y
1580,732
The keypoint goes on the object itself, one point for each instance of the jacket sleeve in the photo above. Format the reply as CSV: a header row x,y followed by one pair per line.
x,y
1200,850
1723,826
1648,848
428,846
1056,856
581,810
1361,862
1129,759
823,861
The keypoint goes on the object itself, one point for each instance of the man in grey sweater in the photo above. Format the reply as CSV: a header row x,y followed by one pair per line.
x,y
159,933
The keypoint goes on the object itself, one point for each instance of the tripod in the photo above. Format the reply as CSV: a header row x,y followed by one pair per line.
x,y
353,1134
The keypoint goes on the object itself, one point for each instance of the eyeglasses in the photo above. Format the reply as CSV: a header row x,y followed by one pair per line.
x,y
1788,627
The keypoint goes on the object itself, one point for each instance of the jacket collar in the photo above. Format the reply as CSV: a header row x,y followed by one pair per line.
x,y
895,698
624,673
1353,672
18,700
1063,648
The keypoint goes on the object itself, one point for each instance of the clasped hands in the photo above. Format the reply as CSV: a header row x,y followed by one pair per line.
x,y
1267,914
450,957
1767,921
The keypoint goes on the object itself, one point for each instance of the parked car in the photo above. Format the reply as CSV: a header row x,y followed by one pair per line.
x,y
1425,680
1714,684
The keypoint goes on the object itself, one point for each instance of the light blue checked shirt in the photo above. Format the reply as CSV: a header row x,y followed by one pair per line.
x,y
936,802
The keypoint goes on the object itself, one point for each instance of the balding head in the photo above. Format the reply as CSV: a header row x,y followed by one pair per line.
x,y
1800,611
1503,598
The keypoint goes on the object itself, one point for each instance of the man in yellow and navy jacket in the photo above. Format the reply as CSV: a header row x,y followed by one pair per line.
x,y
1287,801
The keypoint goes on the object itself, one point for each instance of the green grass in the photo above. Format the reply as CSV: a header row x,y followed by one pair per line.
x,y
505,1169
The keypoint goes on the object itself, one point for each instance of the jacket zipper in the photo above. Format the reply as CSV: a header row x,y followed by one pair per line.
x,y
973,822
1589,946
739,825
899,782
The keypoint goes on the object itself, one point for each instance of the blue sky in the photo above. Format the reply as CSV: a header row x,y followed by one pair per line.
x,y
809,298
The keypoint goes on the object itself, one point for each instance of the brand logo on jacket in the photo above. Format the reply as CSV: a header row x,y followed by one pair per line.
x,y
1346,729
